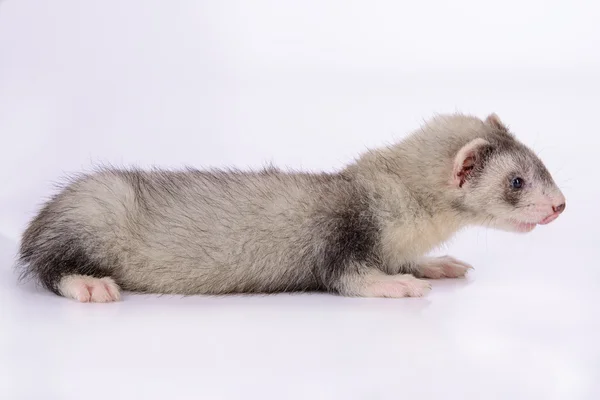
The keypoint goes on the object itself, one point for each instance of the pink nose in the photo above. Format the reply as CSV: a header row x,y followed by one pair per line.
x,y
559,208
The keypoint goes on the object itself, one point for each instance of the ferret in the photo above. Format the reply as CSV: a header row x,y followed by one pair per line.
x,y
363,231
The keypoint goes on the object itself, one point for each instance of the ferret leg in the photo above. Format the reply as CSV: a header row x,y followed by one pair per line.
x,y
372,282
441,267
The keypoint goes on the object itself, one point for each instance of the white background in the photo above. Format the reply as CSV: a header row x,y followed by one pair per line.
x,y
306,84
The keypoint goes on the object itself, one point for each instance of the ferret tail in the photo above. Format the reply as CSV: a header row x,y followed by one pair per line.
x,y
64,264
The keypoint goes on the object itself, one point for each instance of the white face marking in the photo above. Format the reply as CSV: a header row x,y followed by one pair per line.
x,y
541,206
537,200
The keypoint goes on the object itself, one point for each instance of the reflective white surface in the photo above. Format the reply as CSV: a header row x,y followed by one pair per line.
x,y
304,85
522,326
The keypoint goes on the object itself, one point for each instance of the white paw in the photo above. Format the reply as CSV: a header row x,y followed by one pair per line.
x,y
88,289
397,286
443,267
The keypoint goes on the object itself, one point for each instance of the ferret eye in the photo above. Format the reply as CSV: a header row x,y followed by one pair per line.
x,y
517,183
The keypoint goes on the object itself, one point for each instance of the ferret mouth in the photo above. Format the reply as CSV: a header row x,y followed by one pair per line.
x,y
521,226
549,218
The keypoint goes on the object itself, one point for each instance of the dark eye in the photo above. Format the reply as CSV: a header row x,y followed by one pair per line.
x,y
517,183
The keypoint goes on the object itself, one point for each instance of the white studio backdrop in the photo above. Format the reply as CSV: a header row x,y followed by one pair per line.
x,y
302,84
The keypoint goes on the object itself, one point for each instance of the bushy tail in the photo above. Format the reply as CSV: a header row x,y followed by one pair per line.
x,y
51,250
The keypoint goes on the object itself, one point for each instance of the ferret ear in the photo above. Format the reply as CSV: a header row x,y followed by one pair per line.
x,y
494,121
466,159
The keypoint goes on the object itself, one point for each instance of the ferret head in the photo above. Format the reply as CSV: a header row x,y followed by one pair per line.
x,y
502,182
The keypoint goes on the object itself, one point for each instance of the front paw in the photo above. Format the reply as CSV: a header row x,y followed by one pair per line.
x,y
443,267
397,286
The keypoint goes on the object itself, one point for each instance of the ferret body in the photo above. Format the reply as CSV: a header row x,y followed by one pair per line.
x,y
361,232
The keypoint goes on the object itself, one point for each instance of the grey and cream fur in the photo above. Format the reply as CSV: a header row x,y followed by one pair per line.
x,y
363,231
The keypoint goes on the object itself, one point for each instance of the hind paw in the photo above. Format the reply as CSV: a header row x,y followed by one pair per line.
x,y
87,289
